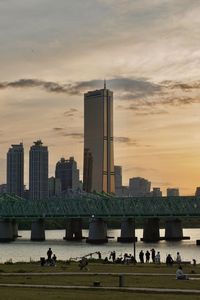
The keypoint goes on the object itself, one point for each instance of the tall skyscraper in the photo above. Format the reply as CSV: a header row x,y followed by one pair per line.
x,y
139,187
38,171
15,170
98,174
67,172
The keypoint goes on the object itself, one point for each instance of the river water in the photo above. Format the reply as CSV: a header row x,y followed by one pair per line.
x,y
25,250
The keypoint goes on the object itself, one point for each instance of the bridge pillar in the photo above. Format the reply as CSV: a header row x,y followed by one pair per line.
x,y
127,231
151,230
6,231
15,229
97,232
173,230
38,230
74,230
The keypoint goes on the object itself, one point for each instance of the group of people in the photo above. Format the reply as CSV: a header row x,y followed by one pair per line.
x,y
170,261
155,257
51,259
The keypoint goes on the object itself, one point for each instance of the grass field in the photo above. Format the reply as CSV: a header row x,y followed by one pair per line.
x,y
151,281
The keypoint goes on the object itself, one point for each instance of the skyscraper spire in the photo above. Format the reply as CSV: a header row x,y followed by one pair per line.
x,y
104,84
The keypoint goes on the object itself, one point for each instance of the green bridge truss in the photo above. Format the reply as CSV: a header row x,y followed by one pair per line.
x,y
104,206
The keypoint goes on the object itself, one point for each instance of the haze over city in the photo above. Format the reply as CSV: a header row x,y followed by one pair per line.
x,y
148,51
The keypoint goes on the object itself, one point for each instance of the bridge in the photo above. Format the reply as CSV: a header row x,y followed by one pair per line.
x,y
100,206
97,208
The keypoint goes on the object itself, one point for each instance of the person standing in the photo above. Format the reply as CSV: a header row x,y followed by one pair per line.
x,y
49,254
153,254
147,255
141,256
178,258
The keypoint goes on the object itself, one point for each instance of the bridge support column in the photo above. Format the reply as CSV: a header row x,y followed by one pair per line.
x,y
151,230
15,229
74,230
174,230
6,231
97,232
38,230
127,231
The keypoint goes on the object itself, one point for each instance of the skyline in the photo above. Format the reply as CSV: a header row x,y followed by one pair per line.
x,y
149,53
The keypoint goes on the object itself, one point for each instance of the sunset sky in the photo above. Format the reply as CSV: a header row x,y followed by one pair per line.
x,y
51,52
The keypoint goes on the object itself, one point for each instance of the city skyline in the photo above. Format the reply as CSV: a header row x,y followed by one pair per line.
x,y
149,53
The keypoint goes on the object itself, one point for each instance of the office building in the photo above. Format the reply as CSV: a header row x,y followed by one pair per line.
x,y
38,171
15,170
98,174
139,187
172,192
54,186
67,172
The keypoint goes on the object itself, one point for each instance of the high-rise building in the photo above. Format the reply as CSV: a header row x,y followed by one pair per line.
x,y
15,170
98,174
172,192
67,172
54,185
139,187
38,171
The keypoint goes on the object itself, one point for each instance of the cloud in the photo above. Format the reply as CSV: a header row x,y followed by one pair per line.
x,y
128,141
58,128
71,112
145,96
135,86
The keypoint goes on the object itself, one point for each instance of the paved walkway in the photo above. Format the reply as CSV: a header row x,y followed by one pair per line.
x,y
122,289
86,273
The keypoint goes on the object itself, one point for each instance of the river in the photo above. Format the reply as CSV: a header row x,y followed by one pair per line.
x,y
25,250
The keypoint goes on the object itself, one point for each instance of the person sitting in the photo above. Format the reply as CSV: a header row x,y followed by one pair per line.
x,y
180,275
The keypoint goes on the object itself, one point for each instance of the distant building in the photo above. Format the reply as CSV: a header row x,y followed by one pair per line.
x,y
15,170
118,177
98,173
3,188
38,171
67,172
139,187
172,192
156,192
54,185
197,193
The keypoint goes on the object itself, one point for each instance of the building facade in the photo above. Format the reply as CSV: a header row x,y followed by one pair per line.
x,y
67,172
38,171
15,170
172,192
139,187
98,173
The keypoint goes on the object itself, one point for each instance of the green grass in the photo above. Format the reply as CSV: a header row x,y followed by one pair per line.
x,y
87,280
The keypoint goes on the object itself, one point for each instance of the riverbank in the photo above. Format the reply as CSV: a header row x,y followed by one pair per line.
x,y
67,274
